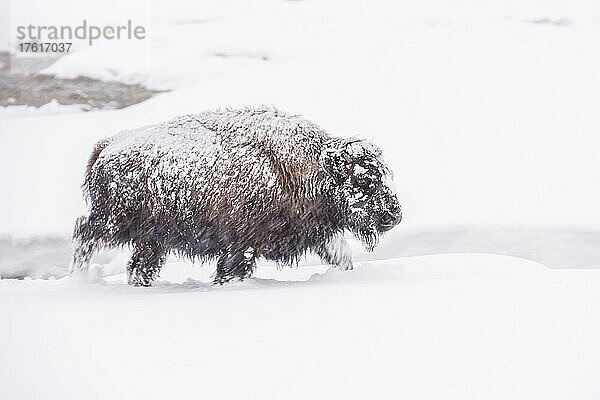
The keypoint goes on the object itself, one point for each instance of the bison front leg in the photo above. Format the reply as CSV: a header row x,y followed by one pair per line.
x,y
145,263
336,252
235,264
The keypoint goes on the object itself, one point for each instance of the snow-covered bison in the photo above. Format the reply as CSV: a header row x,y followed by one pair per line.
x,y
232,185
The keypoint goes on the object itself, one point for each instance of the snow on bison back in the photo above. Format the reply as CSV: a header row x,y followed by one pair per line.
x,y
233,184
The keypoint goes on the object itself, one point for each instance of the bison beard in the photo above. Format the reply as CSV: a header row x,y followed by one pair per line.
x,y
232,185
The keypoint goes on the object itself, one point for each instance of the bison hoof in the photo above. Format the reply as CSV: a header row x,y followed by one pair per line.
x,y
346,266
220,280
138,281
140,284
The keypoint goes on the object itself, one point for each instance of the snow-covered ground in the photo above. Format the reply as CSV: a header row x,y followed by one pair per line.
x,y
431,327
487,113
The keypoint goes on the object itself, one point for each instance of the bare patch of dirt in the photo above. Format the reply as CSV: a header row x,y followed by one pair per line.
x,y
22,84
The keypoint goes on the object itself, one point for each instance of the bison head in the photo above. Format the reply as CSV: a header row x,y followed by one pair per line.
x,y
364,188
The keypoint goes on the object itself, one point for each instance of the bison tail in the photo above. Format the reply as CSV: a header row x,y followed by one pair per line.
x,y
83,245
98,147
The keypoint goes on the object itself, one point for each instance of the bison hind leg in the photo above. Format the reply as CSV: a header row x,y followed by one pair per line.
x,y
235,264
145,263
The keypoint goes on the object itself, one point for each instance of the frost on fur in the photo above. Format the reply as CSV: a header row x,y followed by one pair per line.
x,y
232,185
337,252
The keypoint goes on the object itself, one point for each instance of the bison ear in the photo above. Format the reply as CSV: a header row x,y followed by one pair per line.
x,y
336,162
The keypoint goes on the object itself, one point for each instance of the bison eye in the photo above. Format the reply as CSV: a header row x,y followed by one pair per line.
x,y
365,183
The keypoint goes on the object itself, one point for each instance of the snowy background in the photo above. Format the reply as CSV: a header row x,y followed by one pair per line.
x,y
488,114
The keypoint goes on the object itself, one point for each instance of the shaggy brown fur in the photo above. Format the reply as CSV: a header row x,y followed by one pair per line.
x,y
235,185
